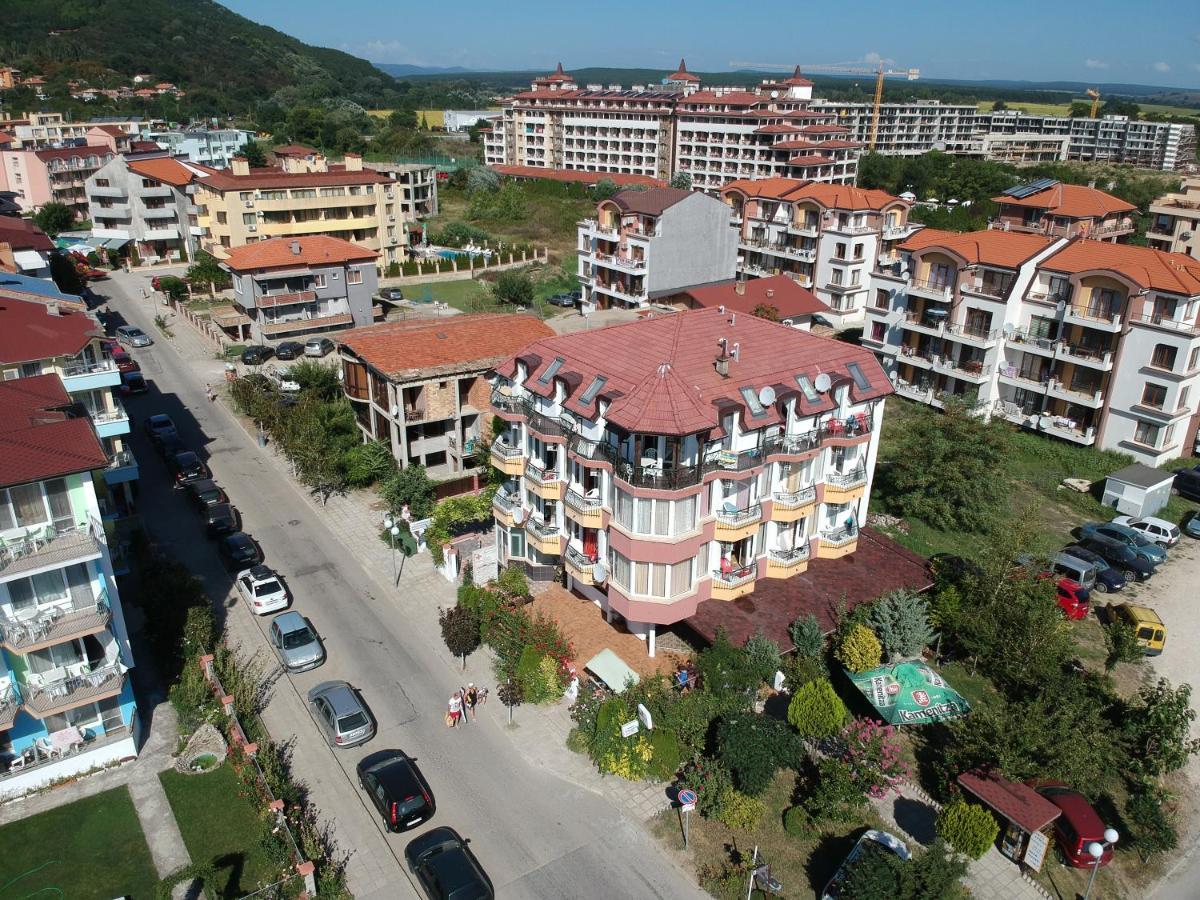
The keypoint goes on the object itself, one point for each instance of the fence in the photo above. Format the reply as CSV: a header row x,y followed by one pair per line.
x,y
450,269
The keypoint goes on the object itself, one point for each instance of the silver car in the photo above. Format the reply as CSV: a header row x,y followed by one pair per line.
x,y
296,644
341,714
133,336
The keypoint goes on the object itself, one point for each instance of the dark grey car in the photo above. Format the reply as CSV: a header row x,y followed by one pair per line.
x,y
341,714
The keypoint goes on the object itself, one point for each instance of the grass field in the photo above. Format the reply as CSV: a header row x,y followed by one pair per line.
x,y
219,823
92,849
471,295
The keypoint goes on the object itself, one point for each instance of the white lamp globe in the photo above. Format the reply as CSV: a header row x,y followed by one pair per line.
x,y
395,530
1110,835
1095,850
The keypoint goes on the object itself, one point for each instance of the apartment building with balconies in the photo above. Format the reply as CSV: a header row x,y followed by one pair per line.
x,y
420,384
148,201
1055,209
47,130
66,700
28,246
683,457
1092,342
1175,225
826,237
287,287
644,245
214,147
304,195
58,175
416,186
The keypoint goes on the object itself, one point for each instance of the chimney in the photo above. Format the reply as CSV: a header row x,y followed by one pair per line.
x,y
295,248
721,363
241,166
739,287
770,293
733,321
52,309
353,162
721,309
736,352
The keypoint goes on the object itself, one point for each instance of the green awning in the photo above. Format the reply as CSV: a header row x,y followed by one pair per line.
x,y
611,669
910,693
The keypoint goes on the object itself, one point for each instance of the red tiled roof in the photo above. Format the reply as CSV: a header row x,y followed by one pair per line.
x,y
6,138
22,234
797,79
650,203
815,145
420,347
777,129
1175,273
789,298
1007,249
830,196
110,129
682,74
1072,201
270,177
143,146
100,151
825,129
679,350
37,439
294,150
315,250
809,159
571,175
728,98
1021,805
877,565
556,76
165,169
28,332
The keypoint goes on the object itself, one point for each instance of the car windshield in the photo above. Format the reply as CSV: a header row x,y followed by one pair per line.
x,y
267,587
301,637
351,722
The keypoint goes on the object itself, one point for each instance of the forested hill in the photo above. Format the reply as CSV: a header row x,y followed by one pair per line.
x,y
226,63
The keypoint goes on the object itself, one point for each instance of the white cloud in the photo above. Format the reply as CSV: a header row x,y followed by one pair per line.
x,y
1095,64
1161,67
386,51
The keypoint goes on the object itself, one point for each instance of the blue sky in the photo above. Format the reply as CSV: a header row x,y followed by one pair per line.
x,y
1137,41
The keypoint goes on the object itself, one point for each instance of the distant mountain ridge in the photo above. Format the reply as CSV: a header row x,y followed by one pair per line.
x,y
399,70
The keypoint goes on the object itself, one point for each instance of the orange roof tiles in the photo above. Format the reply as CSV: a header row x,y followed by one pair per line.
x,y
789,298
1072,201
810,159
650,203
682,74
315,250
797,79
37,439
418,348
1174,273
271,177
1006,249
294,150
570,175
165,169
29,332
830,196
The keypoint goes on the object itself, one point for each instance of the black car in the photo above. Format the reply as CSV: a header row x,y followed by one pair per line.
x,y
289,350
220,519
397,789
1121,556
159,425
169,445
239,551
187,467
1108,577
1187,483
133,383
446,867
256,355
204,492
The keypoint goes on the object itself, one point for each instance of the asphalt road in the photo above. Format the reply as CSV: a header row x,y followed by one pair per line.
x,y
535,834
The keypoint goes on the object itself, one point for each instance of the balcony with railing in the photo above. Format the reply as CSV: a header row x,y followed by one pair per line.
x,y
10,705
737,582
973,370
974,335
50,548
733,523
581,566
545,536
75,618
68,687
504,507
122,467
584,508
1170,322
81,374
624,263
933,289
1083,394
846,481
835,542
545,482
785,563
789,506
1092,316
508,458
112,422
1084,356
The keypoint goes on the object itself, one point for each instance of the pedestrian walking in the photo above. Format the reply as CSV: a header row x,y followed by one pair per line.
x,y
471,699
208,392
454,710
481,696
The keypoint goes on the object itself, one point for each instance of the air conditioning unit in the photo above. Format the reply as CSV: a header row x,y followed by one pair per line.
x,y
391,218
252,228
249,204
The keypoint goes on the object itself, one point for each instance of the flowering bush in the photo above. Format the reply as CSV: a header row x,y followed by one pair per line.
x,y
872,752
712,783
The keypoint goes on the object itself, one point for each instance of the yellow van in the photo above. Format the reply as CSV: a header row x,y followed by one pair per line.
x,y
1151,632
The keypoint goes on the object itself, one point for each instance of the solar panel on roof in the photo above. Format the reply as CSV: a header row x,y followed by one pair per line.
x,y
860,379
1021,191
551,370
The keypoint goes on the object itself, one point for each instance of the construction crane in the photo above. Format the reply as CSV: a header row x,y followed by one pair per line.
x,y
853,68
1095,95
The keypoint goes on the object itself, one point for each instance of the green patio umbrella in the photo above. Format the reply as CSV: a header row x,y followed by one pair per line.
x,y
910,693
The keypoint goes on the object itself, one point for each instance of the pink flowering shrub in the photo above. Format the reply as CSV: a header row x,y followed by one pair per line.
x,y
872,751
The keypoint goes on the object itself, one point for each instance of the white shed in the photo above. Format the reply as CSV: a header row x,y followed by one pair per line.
x,y
1138,490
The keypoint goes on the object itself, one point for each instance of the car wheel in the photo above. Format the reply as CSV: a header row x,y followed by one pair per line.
x,y
1101,587
1131,575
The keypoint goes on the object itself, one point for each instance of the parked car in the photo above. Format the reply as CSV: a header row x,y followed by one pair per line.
x,y
159,425
1191,525
204,492
125,362
1150,630
1187,483
187,467
394,295
1076,827
1160,531
871,841
289,350
239,551
295,642
133,336
1108,579
133,383
564,300
1068,568
1119,555
169,444
1072,599
261,589
341,714
256,355
446,868
318,346
391,779
1143,547
220,519
282,379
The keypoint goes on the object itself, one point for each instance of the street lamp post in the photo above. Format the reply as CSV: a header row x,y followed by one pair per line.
x,y
1096,851
392,529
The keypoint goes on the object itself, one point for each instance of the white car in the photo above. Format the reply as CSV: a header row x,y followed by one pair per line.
x,y
283,378
262,590
1160,531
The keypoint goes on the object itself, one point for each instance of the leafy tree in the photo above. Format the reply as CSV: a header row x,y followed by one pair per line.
x,y
514,288
859,650
967,827
316,378
460,631
762,656
767,311
1120,638
816,711
54,218
999,106
753,746
937,874
740,811
807,636
875,874
413,486
482,180
173,287
368,463
62,272
1080,109
1156,729
901,621
948,470
1151,815
604,188
681,180
725,670
255,154
207,271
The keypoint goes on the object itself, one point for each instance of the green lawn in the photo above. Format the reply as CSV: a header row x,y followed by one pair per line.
x,y
551,213
471,295
93,848
219,822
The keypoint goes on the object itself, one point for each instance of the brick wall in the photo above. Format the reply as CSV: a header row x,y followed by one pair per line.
x,y
440,401
479,396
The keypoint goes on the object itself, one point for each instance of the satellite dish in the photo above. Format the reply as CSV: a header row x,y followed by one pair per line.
x,y
823,383
395,412
785,540
893,377
518,514
766,396
599,573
